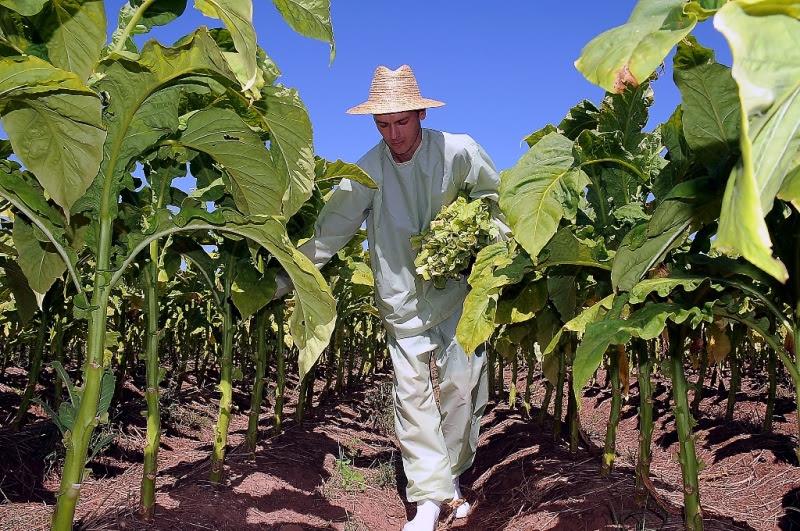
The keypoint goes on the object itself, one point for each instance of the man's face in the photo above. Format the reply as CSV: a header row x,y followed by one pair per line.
x,y
400,130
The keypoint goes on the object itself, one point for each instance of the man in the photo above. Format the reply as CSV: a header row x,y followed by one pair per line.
x,y
417,172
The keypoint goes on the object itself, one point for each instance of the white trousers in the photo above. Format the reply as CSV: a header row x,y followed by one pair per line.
x,y
437,443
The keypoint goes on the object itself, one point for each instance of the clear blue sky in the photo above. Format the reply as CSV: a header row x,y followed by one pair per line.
x,y
504,68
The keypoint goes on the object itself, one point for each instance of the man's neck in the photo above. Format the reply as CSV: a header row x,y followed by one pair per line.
x,y
409,154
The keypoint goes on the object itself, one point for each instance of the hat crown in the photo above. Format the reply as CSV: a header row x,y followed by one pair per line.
x,y
393,83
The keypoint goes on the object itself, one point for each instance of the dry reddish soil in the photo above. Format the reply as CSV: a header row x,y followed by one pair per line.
x,y
340,468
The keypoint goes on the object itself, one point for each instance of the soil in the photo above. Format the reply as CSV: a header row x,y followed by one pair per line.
x,y
340,468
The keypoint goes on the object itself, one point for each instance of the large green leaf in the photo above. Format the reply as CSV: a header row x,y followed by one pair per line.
x,y
38,259
258,188
329,173
690,203
771,7
495,266
766,53
311,18
523,305
291,143
26,8
140,115
536,193
625,115
666,286
314,315
24,298
53,122
581,117
711,117
578,324
238,18
566,249
645,323
629,54
20,189
251,290
75,31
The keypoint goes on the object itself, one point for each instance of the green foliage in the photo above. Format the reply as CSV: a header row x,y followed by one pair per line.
x,y
64,419
768,74
348,478
540,191
449,246
629,54
646,323
53,122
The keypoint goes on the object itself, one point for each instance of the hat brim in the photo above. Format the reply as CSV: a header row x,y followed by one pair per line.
x,y
373,107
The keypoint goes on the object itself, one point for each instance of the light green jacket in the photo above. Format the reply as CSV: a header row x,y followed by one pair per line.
x,y
408,197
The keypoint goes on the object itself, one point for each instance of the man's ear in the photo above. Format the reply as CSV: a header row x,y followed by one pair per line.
x,y
422,114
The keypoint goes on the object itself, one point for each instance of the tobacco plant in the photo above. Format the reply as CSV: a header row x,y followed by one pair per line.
x,y
80,115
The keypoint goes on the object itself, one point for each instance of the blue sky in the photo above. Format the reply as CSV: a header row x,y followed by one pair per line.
x,y
504,68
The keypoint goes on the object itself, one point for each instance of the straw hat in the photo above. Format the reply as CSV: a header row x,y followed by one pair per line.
x,y
393,91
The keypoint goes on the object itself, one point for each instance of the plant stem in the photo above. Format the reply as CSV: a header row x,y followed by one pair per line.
x,y
490,361
501,383
280,373
58,346
340,363
701,379
773,384
548,396
526,401
735,382
573,416
257,394
610,448
559,393
512,389
33,373
645,420
693,515
77,444
137,16
152,369
225,388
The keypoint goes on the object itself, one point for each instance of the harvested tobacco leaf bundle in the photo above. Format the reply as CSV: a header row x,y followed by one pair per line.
x,y
447,249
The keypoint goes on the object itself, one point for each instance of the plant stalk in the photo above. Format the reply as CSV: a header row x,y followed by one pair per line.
x,y
152,369
280,373
225,386
693,515
256,396
610,447
33,373
645,421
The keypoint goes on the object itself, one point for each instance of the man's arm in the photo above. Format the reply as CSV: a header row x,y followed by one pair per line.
x,y
336,225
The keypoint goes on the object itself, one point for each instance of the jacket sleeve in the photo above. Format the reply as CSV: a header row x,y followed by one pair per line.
x,y
338,222
336,225
483,182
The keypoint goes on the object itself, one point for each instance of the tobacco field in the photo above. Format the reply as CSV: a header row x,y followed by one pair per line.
x,y
642,322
